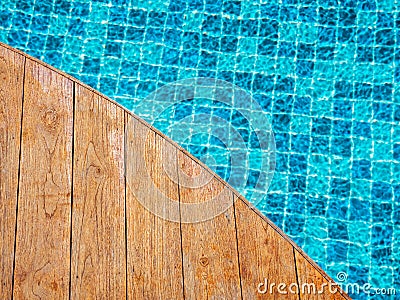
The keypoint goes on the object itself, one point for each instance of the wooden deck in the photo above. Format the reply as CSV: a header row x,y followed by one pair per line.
x,y
71,225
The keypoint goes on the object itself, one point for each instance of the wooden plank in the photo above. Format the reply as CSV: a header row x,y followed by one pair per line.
x,y
154,243
312,285
265,257
43,229
210,257
98,214
11,88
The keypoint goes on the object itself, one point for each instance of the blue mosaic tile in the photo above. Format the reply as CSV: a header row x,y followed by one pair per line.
x,y
230,26
341,128
340,188
338,230
384,55
232,7
53,56
36,42
380,211
80,9
358,274
316,206
362,169
320,145
347,17
77,28
396,116
294,225
381,191
297,183
337,251
287,14
365,54
298,164
137,17
367,5
381,235
5,18
195,5
213,6
396,152
20,20
338,209
300,143
359,210
44,7
156,19
24,6
17,38
346,35
342,146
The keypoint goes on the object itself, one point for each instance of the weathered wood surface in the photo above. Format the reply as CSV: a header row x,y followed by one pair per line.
x,y
98,211
80,179
209,247
154,246
11,87
312,284
44,204
266,259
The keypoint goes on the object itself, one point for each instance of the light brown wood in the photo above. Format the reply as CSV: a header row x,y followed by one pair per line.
x,y
43,230
210,256
265,257
312,285
154,243
98,223
11,87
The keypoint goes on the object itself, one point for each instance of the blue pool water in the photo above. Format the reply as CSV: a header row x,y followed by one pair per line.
x,y
326,72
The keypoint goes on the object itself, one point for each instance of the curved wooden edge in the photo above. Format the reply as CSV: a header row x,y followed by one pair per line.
x,y
185,152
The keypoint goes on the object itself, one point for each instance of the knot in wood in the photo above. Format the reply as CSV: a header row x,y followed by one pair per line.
x,y
50,118
204,261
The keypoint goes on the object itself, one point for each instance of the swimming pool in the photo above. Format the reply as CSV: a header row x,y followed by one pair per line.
x,y
326,72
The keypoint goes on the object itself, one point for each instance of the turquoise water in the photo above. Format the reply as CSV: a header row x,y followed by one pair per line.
x,y
326,73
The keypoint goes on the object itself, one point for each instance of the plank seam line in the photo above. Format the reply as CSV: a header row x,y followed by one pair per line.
x,y
180,221
19,177
237,245
295,268
72,187
126,221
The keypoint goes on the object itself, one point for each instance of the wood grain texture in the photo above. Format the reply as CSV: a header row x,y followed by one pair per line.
x,y
98,214
11,88
210,256
43,230
154,243
263,254
312,285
